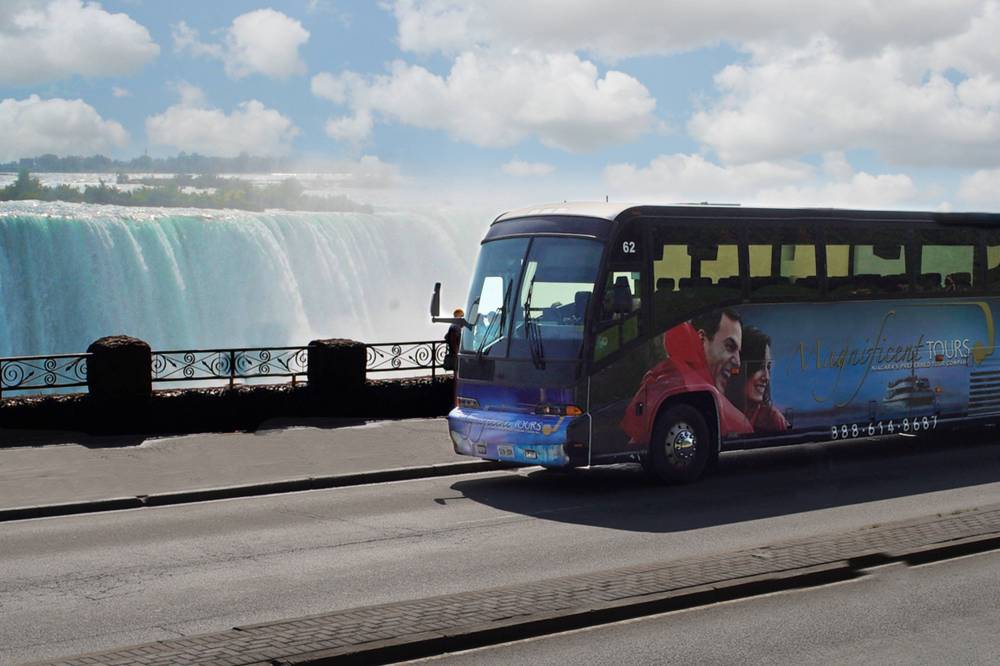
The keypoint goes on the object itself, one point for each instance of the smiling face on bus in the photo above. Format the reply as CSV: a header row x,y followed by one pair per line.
x,y
722,339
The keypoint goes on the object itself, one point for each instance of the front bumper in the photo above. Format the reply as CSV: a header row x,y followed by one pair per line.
x,y
528,439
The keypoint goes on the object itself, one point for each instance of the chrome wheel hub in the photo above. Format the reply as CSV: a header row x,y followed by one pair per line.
x,y
681,444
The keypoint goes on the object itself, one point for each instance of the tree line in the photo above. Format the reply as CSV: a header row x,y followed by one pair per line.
x,y
180,163
215,192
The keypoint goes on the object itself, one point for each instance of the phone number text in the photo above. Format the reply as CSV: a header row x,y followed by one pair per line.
x,y
891,427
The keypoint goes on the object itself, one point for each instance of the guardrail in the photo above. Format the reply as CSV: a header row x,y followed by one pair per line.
x,y
187,365
23,373
58,371
393,356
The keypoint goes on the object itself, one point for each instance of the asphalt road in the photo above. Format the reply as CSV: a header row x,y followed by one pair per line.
x,y
942,613
97,581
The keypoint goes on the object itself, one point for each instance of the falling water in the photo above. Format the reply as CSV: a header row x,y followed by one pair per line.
x,y
184,278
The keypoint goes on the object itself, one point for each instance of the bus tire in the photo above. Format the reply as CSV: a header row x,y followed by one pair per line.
x,y
681,446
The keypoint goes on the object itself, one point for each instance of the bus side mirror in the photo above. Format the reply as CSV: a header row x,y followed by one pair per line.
x,y
436,301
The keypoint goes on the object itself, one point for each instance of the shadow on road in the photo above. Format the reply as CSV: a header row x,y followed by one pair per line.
x,y
748,485
21,438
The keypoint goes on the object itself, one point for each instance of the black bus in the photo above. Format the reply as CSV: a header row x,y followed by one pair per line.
x,y
602,333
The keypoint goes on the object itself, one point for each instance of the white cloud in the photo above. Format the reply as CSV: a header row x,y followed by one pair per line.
x,y
119,92
974,51
263,42
692,178
53,40
186,39
915,82
683,177
350,129
613,30
34,126
792,102
499,101
193,126
861,190
981,189
523,169
335,87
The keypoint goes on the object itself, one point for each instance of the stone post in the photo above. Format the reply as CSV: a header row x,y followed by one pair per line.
x,y
119,367
337,366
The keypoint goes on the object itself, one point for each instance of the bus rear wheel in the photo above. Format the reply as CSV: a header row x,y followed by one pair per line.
x,y
680,447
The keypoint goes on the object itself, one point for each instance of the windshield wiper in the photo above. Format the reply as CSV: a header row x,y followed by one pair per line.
x,y
533,331
499,317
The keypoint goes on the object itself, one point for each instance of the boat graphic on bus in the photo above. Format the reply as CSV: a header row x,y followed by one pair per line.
x,y
911,391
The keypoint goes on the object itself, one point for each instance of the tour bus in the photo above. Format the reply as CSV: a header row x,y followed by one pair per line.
x,y
602,333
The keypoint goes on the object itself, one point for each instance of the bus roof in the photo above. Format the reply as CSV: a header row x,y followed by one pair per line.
x,y
612,211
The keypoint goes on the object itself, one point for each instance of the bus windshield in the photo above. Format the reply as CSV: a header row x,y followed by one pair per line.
x,y
553,297
543,315
491,294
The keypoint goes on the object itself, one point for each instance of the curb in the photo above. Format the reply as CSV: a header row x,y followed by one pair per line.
x,y
433,644
251,490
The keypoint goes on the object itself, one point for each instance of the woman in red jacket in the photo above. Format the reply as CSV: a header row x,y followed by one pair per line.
x,y
751,389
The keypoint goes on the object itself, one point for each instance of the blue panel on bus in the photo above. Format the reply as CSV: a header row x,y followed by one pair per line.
x,y
511,437
870,361
851,368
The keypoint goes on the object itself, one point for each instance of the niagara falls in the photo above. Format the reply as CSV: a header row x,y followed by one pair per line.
x,y
191,278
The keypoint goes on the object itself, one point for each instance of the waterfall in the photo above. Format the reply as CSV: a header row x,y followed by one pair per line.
x,y
187,278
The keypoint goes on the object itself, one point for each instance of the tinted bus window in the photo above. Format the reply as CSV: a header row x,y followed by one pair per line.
x,y
554,296
491,295
783,263
862,264
993,261
620,319
693,270
947,262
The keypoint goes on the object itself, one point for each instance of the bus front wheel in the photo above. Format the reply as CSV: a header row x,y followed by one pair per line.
x,y
680,447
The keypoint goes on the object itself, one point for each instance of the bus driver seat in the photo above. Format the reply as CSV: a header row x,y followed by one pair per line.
x,y
580,302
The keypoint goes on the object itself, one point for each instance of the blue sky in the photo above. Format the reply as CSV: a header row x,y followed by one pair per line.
x,y
784,102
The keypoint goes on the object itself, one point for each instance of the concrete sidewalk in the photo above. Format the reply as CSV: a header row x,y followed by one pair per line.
x,y
57,468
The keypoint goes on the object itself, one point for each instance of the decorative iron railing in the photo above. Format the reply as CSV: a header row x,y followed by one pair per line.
x,y
187,365
23,373
396,356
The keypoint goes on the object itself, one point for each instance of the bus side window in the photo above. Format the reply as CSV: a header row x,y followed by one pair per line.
x,y
783,270
993,262
620,319
947,265
874,264
693,276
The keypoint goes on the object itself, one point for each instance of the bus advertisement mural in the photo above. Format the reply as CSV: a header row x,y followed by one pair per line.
x,y
852,369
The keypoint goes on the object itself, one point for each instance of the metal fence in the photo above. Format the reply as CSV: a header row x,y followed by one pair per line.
x,y
188,365
59,371
395,356
27,373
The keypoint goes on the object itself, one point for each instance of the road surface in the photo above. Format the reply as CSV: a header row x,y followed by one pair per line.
x,y
98,581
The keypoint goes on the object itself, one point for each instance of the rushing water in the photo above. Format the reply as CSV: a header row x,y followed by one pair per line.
x,y
71,273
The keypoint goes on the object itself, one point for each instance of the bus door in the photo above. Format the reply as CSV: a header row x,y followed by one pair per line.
x,y
618,354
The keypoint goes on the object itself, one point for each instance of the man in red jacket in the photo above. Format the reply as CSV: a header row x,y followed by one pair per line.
x,y
702,354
